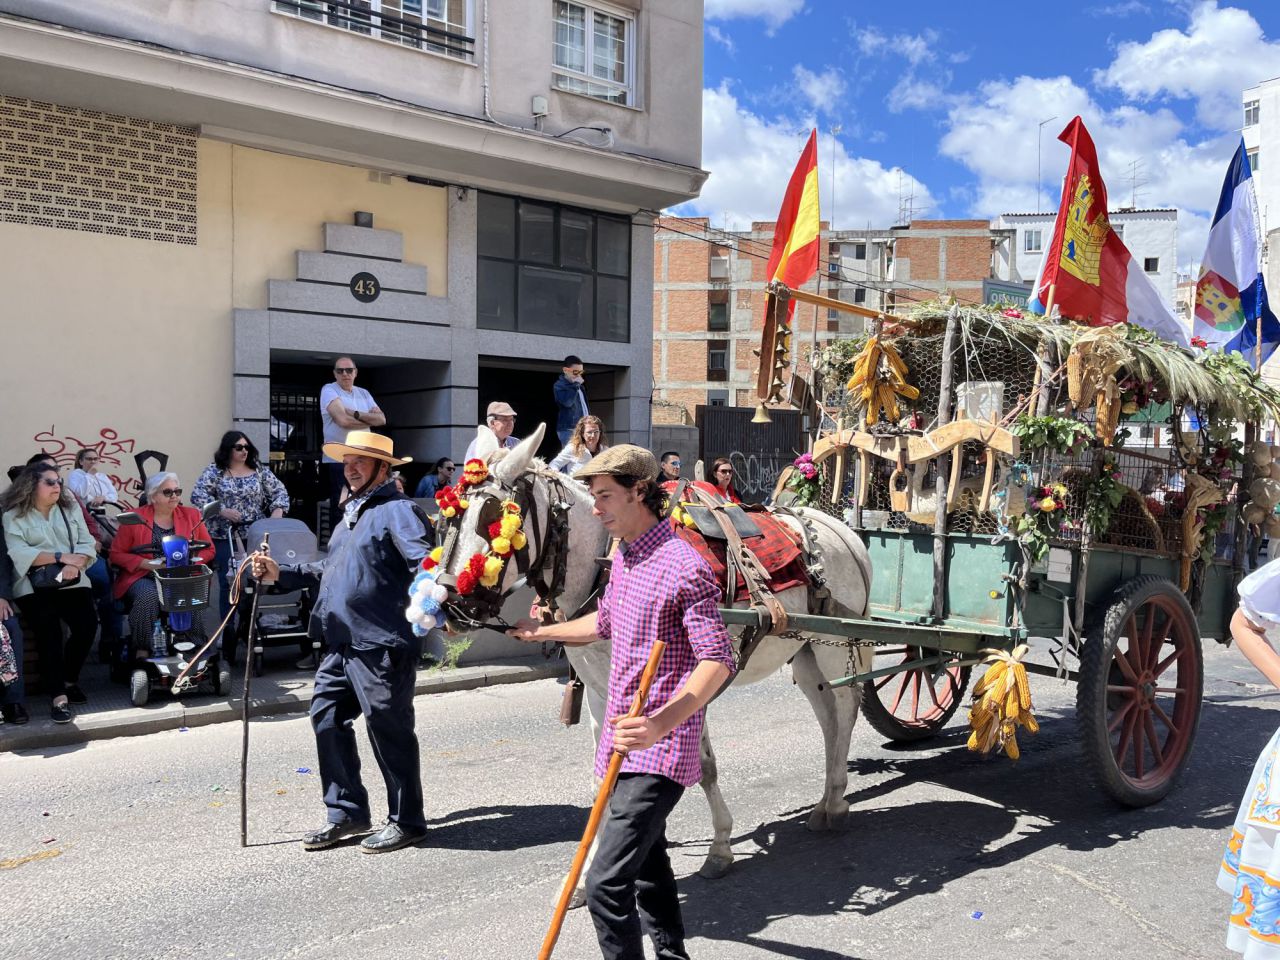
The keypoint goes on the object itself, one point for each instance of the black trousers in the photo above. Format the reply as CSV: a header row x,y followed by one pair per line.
x,y
45,612
379,684
631,870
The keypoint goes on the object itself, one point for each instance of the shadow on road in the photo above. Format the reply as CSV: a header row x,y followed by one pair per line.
x,y
506,827
899,846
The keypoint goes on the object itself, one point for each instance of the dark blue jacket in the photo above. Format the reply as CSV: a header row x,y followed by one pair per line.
x,y
572,403
364,580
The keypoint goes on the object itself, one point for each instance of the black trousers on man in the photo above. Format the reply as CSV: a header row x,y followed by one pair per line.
x,y
631,870
378,683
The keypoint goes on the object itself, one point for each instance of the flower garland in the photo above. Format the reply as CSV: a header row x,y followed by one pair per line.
x,y
426,596
804,480
1046,518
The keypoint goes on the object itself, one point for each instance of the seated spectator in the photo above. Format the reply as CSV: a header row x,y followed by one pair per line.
x,y
44,529
165,515
585,442
88,484
247,491
501,419
99,572
441,475
13,692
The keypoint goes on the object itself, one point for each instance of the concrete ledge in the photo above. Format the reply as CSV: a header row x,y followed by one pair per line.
x,y
41,734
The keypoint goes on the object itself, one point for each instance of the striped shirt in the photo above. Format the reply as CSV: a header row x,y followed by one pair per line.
x,y
660,588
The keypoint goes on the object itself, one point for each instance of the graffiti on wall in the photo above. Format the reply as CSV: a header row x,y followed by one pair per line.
x,y
115,457
756,474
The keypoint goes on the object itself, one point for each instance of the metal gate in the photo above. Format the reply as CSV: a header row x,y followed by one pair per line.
x,y
296,436
759,452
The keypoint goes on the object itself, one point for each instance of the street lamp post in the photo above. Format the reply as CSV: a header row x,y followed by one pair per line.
x,y
1039,134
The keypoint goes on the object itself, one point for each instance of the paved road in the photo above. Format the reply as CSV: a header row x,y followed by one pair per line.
x,y
148,864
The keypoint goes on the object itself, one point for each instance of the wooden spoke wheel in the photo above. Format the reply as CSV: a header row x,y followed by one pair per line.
x,y
1141,687
914,704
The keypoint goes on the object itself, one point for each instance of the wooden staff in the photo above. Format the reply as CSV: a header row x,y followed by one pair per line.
x,y
249,642
597,810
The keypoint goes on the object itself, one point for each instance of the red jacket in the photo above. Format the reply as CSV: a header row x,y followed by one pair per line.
x,y
129,564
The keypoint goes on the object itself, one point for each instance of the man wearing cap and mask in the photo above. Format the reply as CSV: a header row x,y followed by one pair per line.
x,y
501,419
370,652
659,589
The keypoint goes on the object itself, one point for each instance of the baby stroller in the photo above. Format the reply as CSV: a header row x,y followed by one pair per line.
x,y
283,615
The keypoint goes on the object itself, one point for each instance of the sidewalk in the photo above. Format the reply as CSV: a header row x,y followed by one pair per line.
x,y
281,689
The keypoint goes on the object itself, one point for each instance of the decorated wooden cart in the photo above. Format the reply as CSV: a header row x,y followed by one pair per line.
x,y
1011,480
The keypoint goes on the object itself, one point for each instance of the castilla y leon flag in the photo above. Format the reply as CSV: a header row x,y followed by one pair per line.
x,y
1095,278
794,258
1231,299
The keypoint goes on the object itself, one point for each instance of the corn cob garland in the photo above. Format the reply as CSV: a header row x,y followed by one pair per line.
x,y
879,378
1001,704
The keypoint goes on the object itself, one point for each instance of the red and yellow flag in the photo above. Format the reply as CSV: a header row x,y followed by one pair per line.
x,y
794,258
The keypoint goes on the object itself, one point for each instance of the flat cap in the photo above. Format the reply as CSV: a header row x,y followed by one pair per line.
x,y
499,409
624,460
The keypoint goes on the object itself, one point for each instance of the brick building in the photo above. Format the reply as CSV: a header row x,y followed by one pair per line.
x,y
709,296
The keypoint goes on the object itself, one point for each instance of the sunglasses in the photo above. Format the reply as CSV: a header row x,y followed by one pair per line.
x,y
239,446
725,471
450,467
344,369
51,481
172,493
88,459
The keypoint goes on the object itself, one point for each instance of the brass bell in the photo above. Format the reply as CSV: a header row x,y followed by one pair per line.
x,y
762,414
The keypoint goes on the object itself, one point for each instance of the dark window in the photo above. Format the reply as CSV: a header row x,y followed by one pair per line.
x,y
552,270
717,398
860,295
859,251
1151,264
718,355
718,316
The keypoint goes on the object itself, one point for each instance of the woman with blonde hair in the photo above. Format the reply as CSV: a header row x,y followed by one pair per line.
x,y
586,441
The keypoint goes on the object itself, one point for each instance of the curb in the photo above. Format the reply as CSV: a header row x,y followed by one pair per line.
x,y
41,734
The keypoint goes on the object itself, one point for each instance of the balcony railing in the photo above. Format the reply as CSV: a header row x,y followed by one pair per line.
x,y
362,17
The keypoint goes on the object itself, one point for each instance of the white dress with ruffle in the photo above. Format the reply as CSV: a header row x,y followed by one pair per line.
x,y
1250,869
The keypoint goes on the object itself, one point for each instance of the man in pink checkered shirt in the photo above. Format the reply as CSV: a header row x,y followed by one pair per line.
x,y
659,588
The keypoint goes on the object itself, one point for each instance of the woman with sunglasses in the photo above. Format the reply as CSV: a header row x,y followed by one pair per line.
x,y
43,525
722,477
247,490
165,515
441,476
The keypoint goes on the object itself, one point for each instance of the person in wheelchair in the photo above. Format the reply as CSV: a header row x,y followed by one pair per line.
x,y
137,551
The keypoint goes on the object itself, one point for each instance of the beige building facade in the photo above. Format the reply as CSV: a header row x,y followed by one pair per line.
x,y
202,205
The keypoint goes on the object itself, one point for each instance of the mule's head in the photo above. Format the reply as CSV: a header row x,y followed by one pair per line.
x,y
482,537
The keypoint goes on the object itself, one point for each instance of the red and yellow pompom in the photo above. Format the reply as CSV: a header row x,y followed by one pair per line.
x,y
474,472
449,502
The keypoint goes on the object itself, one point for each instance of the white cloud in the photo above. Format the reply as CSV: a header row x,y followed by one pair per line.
x,y
773,12
822,90
1222,52
915,48
993,133
722,38
751,158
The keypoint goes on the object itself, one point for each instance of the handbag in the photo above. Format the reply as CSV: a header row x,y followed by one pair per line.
x,y
46,577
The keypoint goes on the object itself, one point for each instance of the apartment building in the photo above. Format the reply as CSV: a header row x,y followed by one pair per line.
x,y
1150,234
202,205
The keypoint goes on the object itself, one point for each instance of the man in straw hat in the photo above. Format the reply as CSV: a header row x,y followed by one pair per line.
x,y
370,651
659,588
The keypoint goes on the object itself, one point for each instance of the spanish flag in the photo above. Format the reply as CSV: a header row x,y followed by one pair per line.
x,y
795,239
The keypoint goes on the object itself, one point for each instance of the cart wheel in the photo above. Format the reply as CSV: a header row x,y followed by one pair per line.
x,y
139,688
1141,684
914,704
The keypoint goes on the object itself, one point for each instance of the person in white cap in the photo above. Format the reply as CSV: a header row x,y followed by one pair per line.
x,y
370,653
501,419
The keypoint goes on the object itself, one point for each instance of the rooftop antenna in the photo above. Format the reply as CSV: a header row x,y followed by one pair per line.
x,y
1136,180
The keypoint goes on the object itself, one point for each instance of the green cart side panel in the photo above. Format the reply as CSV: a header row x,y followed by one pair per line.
x,y
978,597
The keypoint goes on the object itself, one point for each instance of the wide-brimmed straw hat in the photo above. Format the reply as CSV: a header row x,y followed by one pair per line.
x,y
365,443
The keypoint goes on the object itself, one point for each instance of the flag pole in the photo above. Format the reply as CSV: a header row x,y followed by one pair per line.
x,y
1048,303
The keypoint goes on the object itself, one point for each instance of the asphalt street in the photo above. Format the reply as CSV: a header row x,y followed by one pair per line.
x,y
130,848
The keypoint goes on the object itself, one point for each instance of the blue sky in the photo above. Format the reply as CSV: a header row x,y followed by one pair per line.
x,y
943,100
